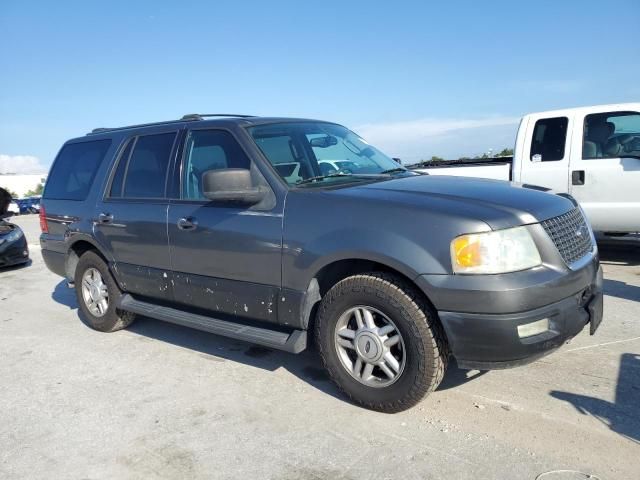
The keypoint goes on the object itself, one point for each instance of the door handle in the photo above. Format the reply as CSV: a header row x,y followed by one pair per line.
x,y
577,177
105,218
187,223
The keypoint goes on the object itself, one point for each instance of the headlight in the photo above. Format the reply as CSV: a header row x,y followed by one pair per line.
x,y
13,236
501,251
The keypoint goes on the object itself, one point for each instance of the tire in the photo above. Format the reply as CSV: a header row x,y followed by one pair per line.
x,y
109,319
421,352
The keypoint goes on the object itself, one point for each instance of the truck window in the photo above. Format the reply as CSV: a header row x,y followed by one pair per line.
x,y
209,150
611,135
146,171
549,139
74,170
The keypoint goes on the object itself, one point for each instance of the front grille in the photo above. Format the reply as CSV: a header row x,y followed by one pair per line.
x,y
570,234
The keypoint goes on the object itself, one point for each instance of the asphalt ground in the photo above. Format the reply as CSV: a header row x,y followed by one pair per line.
x,y
163,401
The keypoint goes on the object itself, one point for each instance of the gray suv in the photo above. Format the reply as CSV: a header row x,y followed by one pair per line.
x,y
278,230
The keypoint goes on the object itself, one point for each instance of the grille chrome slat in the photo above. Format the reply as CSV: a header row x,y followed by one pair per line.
x,y
570,234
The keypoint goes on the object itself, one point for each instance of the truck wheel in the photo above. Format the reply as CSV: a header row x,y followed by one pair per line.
x,y
380,341
98,294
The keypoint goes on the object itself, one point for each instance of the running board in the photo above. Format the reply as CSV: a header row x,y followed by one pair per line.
x,y
294,342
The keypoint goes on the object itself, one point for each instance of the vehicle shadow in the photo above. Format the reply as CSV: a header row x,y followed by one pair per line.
x,y
619,253
13,268
307,365
616,288
622,415
456,376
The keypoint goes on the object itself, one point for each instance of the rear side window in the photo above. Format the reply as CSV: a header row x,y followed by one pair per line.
x,y
75,169
549,139
145,172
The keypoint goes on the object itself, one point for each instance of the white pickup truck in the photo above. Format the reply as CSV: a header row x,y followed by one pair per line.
x,y
592,153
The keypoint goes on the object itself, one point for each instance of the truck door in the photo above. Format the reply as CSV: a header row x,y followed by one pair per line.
x,y
605,170
131,219
225,257
545,159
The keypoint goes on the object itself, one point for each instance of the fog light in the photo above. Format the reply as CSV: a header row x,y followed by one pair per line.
x,y
533,328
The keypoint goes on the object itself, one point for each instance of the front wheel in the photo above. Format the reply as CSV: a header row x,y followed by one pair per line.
x,y
380,341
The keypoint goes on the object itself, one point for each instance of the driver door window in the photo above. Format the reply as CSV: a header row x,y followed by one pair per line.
x,y
611,135
208,150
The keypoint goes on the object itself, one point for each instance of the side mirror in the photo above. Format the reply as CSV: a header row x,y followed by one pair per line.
x,y
397,160
233,185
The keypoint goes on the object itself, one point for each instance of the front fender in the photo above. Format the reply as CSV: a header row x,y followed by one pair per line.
x,y
389,248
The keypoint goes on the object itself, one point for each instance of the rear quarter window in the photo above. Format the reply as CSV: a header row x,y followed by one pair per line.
x,y
75,169
549,139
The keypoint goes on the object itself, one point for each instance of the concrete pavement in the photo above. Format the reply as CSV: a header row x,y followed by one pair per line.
x,y
162,401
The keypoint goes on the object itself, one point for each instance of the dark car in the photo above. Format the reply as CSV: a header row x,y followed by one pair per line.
x,y
228,225
13,244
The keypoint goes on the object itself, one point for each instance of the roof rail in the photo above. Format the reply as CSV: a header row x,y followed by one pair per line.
x,y
191,117
201,116
115,129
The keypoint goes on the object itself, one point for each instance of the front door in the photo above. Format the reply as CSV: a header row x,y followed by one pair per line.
x,y
225,258
605,170
131,219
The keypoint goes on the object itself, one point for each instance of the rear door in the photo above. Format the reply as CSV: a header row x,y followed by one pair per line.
x,y
131,218
605,169
545,160
225,258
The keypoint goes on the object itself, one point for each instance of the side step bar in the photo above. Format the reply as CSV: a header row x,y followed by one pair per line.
x,y
294,342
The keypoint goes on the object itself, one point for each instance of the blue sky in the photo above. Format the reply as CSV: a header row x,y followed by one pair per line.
x,y
415,78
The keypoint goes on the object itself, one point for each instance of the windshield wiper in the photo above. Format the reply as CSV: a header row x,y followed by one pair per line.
x,y
322,177
393,170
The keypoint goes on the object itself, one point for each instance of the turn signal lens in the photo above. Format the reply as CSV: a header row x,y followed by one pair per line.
x,y
500,251
467,251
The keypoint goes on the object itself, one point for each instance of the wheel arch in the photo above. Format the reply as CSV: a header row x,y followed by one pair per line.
x,y
78,248
333,272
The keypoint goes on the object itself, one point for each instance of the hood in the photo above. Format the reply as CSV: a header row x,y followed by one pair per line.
x,y
497,203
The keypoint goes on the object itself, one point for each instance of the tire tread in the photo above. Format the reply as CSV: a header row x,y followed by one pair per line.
x,y
395,290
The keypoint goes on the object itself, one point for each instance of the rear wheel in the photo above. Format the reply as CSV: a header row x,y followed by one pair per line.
x,y
380,341
98,294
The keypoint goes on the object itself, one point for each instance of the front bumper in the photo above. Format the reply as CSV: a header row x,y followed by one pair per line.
x,y
488,340
14,253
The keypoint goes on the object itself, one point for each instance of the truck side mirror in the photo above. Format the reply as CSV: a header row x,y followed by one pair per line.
x,y
233,185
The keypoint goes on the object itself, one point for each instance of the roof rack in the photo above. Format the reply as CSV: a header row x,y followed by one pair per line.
x,y
202,116
190,117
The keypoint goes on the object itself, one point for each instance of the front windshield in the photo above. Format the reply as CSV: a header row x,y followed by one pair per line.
x,y
306,153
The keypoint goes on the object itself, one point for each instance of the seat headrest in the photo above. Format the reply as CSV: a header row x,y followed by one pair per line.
x,y
612,127
599,132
